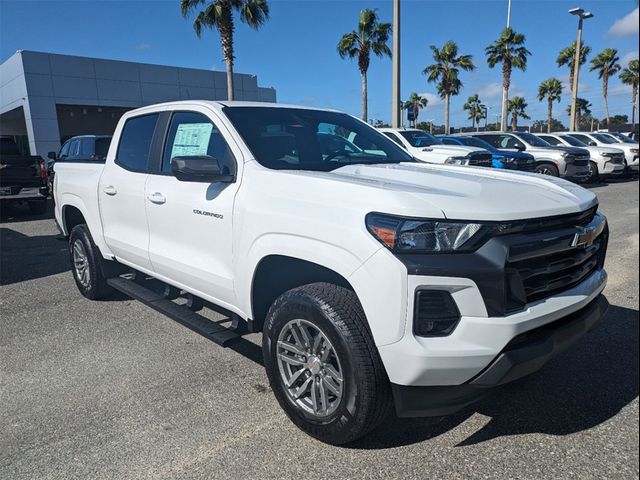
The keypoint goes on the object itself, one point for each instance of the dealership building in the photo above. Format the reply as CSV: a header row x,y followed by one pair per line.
x,y
46,98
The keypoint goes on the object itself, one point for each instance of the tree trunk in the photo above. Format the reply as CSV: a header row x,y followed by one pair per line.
x,y
365,111
605,84
514,123
506,83
634,105
549,115
226,38
446,114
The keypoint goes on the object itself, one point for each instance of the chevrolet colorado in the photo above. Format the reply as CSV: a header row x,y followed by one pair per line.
x,y
377,281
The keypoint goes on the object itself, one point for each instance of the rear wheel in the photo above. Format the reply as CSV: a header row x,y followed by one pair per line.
x,y
322,363
547,169
86,264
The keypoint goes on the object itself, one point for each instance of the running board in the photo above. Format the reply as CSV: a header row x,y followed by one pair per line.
x,y
181,314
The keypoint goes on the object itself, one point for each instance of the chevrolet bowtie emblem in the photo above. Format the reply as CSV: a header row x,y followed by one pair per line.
x,y
584,237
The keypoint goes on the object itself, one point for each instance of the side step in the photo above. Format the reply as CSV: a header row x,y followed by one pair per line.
x,y
181,314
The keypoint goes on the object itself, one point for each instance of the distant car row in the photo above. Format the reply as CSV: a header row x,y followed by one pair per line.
x,y
578,156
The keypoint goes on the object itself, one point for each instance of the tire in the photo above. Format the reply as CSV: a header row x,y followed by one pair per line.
x,y
547,169
335,313
594,174
38,207
87,264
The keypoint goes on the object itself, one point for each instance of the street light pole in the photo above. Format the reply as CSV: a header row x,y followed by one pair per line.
x,y
509,14
576,64
396,114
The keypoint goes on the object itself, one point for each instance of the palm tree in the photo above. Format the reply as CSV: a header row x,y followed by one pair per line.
x,y
517,108
606,63
509,50
476,110
629,76
445,73
567,57
583,109
371,36
218,14
552,90
415,102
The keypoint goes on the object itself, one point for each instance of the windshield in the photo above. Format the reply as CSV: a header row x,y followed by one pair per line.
x,y
622,138
417,138
573,141
477,142
531,139
300,139
603,138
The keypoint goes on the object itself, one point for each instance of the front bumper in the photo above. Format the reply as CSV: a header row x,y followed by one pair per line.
x,y
522,356
573,171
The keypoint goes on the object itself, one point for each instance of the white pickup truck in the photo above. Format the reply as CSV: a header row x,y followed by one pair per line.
x,y
376,280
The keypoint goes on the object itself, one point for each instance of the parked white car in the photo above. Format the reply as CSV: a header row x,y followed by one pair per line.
x,y
604,161
427,148
601,140
375,279
619,137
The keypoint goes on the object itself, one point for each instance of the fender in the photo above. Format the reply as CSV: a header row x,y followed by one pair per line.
x,y
91,216
331,256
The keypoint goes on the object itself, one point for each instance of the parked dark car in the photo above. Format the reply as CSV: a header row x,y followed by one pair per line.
x,y
23,178
83,148
505,159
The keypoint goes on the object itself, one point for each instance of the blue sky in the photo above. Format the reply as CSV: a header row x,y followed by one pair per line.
x,y
295,51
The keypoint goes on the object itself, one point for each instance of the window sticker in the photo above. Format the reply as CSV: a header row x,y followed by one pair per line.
x,y
192,139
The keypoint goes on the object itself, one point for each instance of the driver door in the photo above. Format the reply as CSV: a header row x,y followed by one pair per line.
x,y
190,223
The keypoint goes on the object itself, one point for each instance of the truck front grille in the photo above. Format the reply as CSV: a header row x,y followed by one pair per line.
x,y
480,159
548,265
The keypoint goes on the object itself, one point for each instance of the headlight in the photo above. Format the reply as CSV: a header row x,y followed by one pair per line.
x,y
634,150
508,160
564,154
457,161
405,235
608,154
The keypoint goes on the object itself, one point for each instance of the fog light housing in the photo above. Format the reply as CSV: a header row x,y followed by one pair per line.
x,y
435,313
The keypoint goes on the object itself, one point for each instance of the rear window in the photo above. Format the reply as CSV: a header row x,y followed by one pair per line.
x,y
135,143
8,147
419,139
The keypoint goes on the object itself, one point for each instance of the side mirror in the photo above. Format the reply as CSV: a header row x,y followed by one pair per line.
x,y
203,168
593,144
52,155
520,147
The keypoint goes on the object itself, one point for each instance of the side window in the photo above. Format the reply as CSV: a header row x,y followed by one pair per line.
x,y
64,151
507,141
74,149
551,140
86,148
582,138
193,134
135,142
448,141
395,139
492,139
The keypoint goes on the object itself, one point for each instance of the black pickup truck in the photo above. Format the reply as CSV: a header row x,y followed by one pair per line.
x,y
23,178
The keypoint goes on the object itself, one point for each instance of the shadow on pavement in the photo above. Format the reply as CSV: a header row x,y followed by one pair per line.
x,y
577,391
25,258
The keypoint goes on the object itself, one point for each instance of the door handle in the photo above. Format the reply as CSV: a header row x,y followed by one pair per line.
x,y
110,190
156,198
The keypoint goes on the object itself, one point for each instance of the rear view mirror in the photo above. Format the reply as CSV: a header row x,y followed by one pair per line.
x,y
203,168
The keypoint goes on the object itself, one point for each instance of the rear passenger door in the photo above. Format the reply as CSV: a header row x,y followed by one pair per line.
x,y
121,192
190,223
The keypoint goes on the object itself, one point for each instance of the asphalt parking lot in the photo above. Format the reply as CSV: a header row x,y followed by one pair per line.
x,y
112,389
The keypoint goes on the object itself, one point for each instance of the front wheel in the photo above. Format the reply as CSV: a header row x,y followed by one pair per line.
x,y
593,175
547,169
322,364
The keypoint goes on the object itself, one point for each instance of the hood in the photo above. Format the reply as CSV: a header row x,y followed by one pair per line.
x,y
467,193
572,150
452,150
514,154
602,150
